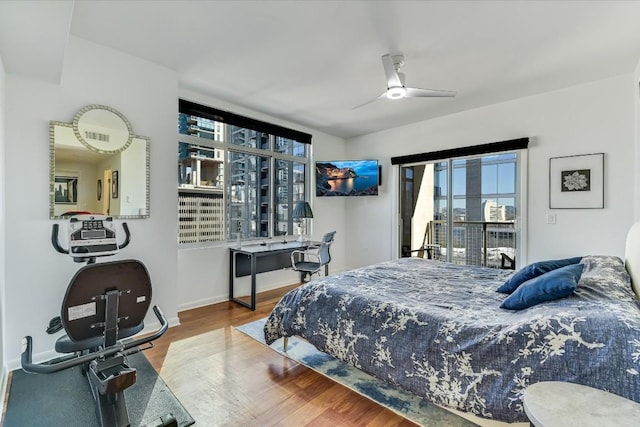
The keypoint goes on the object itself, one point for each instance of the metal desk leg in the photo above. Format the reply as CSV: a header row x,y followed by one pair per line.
x,y
253,282
232,265
232,256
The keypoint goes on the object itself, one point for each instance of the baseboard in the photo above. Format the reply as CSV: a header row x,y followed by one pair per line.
x,y
225,297
4,380
155,325
202,302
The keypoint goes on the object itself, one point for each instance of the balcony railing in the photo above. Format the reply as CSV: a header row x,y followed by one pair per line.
x,y
473,242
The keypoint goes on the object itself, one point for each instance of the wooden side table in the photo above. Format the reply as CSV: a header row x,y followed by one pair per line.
x,y
561,404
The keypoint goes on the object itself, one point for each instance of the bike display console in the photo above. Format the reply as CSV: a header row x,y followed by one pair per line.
x,y
92,236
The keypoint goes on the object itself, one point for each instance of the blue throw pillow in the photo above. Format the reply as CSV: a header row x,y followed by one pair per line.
x,y
534,270
550,286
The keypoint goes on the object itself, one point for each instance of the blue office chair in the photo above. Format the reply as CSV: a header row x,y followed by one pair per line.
x,y
311,260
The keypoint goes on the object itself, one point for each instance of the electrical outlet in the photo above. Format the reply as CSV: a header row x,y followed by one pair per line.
x,y
552,219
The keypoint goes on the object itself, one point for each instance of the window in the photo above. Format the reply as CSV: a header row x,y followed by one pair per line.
x,y
481,224
238,178
461,210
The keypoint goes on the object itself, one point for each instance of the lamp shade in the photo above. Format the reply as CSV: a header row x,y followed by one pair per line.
x,y
302,210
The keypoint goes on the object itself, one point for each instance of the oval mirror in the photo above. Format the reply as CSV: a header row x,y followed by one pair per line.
x,y
98,151
102,129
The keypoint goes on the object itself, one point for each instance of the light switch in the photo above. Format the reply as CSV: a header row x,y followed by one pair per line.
x,y
552,218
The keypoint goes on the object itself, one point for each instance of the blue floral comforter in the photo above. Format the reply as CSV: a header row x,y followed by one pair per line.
x,y
436,330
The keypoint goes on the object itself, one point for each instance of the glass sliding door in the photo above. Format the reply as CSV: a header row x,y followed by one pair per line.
x,y
460,210
407,207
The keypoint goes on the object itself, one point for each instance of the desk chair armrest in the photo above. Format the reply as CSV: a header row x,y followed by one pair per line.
x,y
305,255
294,256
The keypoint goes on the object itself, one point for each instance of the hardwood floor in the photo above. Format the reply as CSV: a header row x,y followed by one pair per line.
x,y
225,378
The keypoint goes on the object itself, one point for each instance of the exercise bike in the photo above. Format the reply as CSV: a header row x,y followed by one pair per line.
x,y
104,304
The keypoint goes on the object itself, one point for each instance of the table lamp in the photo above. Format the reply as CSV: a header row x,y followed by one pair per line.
x,y
301,211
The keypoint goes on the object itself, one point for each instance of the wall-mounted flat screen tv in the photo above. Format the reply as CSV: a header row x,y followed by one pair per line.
x,y
347,178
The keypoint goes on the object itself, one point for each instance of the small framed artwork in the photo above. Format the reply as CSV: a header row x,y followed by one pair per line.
x,y
114,184
576,182
66,190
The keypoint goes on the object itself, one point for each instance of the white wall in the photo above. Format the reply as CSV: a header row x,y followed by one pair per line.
x,y
582,119
203,271
147,94
636,155
37,276
2,227
594,117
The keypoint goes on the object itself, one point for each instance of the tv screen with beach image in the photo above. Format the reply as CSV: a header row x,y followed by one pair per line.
x,y
347,178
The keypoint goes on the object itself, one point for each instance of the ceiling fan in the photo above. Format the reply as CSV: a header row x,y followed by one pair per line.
x,y
396,88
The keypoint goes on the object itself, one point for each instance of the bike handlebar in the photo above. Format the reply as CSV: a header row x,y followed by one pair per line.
x,y
127,235
47,368
54,240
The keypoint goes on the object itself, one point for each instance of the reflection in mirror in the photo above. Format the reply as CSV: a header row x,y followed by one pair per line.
x,y
98,165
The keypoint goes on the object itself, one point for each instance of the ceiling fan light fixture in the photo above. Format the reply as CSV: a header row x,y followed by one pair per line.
x,y
396,92
396,87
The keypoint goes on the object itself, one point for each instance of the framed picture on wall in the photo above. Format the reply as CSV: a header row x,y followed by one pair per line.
x,y
114,184
66,190
576,182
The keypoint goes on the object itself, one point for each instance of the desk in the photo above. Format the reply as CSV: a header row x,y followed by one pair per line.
x,y
253,259
561,404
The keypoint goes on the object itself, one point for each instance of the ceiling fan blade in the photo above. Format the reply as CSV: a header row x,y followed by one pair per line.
x,y
414,92
384,95
390,71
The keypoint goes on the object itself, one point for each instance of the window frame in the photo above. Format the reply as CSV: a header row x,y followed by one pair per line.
x,y
519,195
272,153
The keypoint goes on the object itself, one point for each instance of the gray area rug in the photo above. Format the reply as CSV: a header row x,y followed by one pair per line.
x,y
408,405
64,399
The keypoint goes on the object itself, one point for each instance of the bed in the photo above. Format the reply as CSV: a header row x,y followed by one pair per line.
x,y
437,330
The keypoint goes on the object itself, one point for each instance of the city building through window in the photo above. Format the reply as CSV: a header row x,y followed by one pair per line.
x,y
238,178
462,210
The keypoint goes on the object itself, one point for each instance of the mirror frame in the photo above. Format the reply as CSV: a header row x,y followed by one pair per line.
x,y
76,128
74,125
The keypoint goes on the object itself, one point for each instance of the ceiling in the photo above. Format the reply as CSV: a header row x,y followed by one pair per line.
x,y
311,62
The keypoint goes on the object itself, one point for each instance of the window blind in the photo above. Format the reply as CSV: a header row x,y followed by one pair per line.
x,y
492,147
191,108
